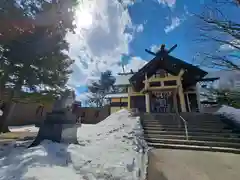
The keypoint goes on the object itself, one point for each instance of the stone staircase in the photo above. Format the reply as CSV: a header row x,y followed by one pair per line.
x,y
206,132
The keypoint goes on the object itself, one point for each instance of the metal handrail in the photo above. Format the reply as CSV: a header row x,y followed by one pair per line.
x,y
185,126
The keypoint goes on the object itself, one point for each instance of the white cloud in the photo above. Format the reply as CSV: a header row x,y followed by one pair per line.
x,y
100,39
83,97
127,2
155,48
227,47
139,28
186,10
169,3
175,22
135,64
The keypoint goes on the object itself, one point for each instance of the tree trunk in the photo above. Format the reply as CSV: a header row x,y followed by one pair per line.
x,y
3,118
7,111
5,129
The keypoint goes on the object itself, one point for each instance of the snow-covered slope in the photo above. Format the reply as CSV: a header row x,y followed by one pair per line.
x,y
112,149
30,128
230,112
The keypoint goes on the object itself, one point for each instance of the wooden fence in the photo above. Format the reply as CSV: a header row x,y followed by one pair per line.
x,y
91,115
26,114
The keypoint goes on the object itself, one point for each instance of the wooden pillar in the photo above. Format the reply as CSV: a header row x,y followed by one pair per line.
x,y
162,83
175,105
146,82
198,97
129,102
180,91
147,102
188,103
181,97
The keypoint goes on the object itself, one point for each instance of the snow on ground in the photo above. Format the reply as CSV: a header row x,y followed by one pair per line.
x,y
113,149
230,112
30,128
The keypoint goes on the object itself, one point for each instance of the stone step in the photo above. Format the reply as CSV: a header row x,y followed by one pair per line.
x,y
189,119
176,121
198,138
188,125
160,118
214,126
185,115
189,129
213,134
192,147
159,121
201,117
205,122
181,122
194,142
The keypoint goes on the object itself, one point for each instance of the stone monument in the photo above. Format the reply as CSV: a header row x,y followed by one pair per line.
x,y
60,124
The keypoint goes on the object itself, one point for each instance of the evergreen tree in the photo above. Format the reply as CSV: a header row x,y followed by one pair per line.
x,y
101,88
32,46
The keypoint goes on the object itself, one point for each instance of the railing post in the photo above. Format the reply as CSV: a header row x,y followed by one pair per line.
x,y
185,126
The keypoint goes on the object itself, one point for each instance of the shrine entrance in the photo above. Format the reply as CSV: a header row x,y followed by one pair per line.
x,y
162,102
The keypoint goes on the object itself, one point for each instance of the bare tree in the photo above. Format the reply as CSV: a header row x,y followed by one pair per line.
x,y
219,37
221,34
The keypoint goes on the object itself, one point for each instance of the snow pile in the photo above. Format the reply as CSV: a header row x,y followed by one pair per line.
x,y
117,144
31,128
47,161
230,112
112,149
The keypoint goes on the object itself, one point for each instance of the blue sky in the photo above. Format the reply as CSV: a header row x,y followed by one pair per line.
x,y
108,33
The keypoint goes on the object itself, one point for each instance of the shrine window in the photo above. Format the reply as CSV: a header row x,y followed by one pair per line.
x,y
154,84
161,73
170,83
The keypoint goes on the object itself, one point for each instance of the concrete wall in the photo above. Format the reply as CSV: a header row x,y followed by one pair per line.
x,y
91,115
